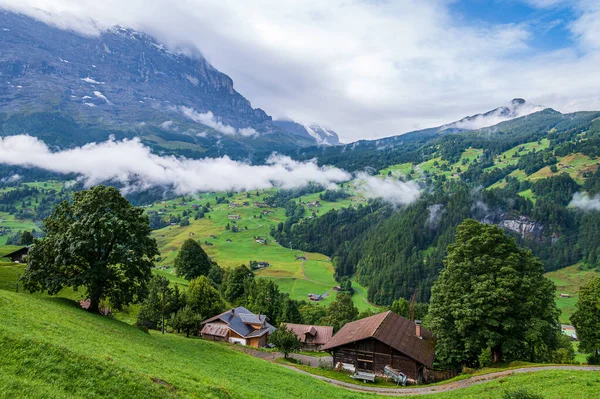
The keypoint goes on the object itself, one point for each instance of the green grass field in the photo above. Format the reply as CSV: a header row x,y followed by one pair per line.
x,y
53,349
568,281
231,249
511,156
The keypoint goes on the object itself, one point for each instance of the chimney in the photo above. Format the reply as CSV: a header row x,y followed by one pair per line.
x,y
232,313
418,329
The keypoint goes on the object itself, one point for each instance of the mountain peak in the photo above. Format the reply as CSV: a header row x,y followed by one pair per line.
x,y
320,134
516,108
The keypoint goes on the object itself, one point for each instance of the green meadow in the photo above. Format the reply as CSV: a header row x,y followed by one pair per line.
x,y
568,281
51,349
231,249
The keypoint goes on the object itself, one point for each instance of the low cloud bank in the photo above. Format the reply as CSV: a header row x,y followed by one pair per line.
x,y
210,120
585,202
130,161
391,190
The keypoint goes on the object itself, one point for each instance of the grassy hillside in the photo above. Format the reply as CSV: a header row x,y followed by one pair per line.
x,y
229,249
53,349
568,281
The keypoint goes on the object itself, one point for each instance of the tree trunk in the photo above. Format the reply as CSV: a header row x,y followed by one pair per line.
x,y
94,304
497,354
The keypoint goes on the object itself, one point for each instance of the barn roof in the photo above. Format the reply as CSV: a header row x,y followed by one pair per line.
x,y
391,329
321,334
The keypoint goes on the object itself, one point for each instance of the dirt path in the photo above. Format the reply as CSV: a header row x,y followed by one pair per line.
x,y
451,386
424,390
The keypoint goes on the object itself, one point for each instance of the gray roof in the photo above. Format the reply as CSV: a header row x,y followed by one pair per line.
x,y
241,319
250,318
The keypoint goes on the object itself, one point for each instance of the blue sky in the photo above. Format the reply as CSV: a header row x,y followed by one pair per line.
x,y
549,26
371,68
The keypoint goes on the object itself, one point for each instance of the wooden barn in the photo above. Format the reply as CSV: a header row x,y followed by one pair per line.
x,y
238,326
385,339
312,338
18,255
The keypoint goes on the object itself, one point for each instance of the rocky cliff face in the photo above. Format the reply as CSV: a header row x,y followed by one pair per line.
x,y
124,79
119,76
522,225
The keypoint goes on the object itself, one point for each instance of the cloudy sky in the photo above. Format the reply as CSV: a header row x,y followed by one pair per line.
x,y
372,68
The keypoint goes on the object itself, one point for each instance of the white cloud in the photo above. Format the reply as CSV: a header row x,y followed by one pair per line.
x,y
130,161
166,124
210,120
10,179
584,202
368,69
391,190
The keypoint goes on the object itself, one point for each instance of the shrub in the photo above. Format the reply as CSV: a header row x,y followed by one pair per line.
x,y
485,358
593,358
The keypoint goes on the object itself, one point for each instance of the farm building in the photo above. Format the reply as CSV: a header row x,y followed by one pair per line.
x,y
233,217
238,326
234,205
385,339
17,255
312,338
260,240
315,297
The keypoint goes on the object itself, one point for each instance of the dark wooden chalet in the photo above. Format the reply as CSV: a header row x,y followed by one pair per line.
x,y
385,339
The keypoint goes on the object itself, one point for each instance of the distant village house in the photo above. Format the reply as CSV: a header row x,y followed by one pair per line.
x,y
233,217
238,326
312,338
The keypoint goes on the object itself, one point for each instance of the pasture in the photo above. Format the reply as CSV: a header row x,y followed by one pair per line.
x,y
54,349
567,281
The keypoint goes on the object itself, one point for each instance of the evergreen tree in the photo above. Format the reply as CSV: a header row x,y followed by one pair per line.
x,y
236,282
151,311
586,319
491,295
341,311
192,261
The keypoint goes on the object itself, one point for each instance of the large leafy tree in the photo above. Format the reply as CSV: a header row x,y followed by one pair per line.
x,y
192,261
203,298
586,319
99,242
491,295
